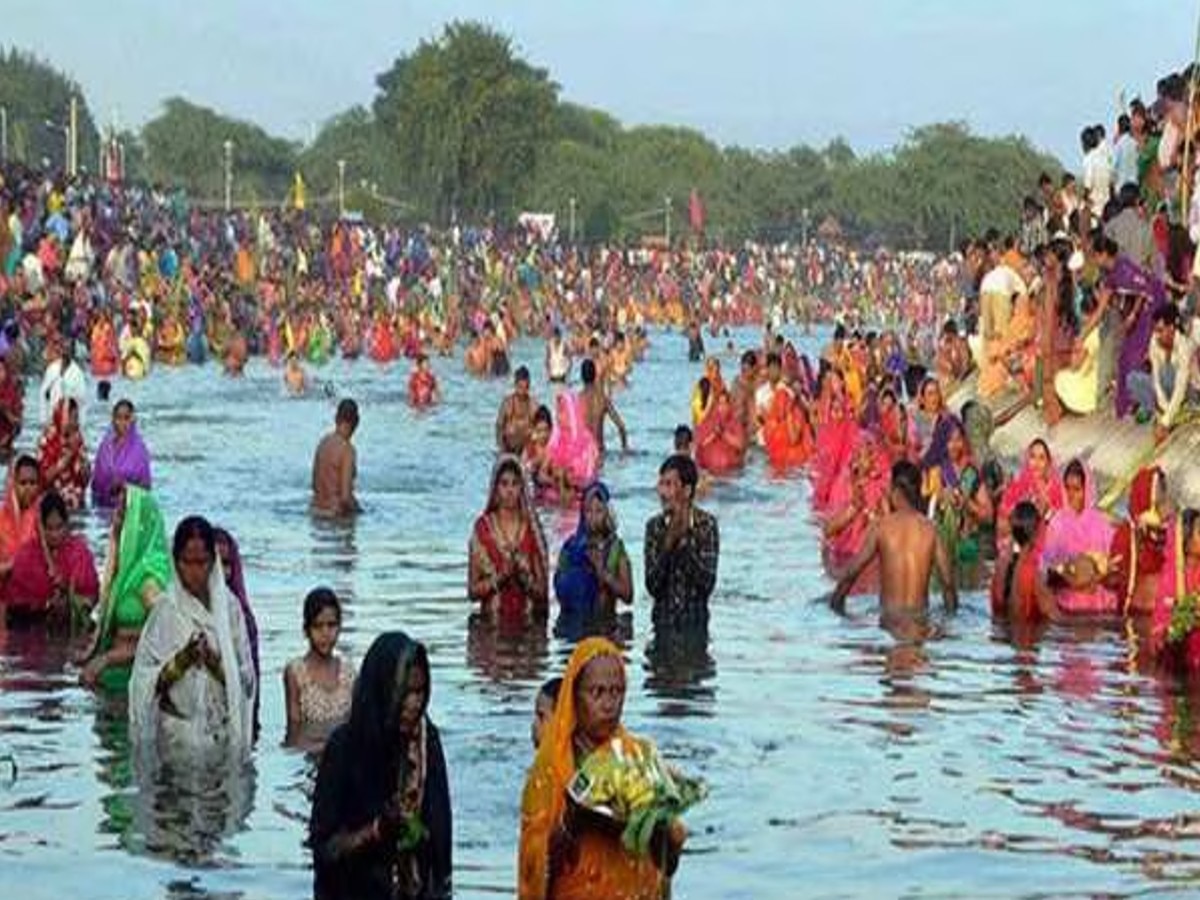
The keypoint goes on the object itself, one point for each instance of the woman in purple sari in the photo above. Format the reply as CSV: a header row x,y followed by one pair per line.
x,y
1145,295
121,459
235,580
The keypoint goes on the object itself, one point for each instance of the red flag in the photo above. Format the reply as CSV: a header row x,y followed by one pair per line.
x,y
696,212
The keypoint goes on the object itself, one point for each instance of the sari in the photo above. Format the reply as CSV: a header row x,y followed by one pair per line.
x,y
12,405
139,553
575,584
1087,533
721,436
1043,492
1137,554
1180,578
787,434
364,770
235,580
863,483
17,526
1127,277
119,461
57,447
490,551
942,478
837,434
40,574
595,865
211,718
572,448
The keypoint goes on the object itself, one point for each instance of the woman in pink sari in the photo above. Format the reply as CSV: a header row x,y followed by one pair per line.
x,y
52,569
836,437
856,500
572,448
1037,482
1075,552
721,437
1180,578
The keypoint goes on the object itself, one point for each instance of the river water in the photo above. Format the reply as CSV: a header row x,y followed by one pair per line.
x,y
842,760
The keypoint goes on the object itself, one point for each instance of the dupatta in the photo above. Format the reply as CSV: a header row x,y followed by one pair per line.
x,y
1085,533
1045,493
119,462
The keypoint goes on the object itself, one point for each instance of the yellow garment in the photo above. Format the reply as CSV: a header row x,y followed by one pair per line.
x,y
1079,389
600,866
298,192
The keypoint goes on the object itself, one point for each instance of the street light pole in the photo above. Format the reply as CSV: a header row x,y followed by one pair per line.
x,y
73,137
228,175
667,220
804,214
341,164
572,204
3,135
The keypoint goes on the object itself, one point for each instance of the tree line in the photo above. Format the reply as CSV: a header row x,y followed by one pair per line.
x,y
461,128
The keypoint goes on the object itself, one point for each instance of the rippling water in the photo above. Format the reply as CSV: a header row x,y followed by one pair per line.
x,y
843,761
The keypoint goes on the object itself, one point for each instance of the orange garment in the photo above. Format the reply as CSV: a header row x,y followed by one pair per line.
x,y
244,267
786,432
598,866
16,526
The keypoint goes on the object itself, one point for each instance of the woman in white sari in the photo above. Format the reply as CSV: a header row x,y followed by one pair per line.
x,y
193,686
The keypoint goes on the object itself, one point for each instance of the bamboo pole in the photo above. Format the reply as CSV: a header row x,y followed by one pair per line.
x,y
1186,187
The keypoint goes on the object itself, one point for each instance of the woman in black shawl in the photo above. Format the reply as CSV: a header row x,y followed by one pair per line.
x,y
380,824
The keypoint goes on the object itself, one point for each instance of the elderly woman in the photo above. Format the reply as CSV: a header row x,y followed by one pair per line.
x,y
192,689
564,853
507,569
121,459
593,571
53,569
137,574
381,821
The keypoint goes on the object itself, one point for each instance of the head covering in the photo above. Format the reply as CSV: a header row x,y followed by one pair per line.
x,y
524,506
126,461
575,584
1143,497
572,445
367,766
938,455
141,552
544,799
1027,485
1071,534
235,580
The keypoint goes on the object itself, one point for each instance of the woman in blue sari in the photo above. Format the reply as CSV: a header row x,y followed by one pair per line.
x,y
593,571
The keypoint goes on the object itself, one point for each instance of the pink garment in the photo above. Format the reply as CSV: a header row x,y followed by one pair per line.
x,y
836,440
869,463
572,446
1072,534
1168,592
1046,494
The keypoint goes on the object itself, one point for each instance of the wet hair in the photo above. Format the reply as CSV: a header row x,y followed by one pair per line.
x,y
750,358
52,502
1074,469
522,374
347,411
950,328
1025,522
774,359
25,461
839,332
705,387
104,390
542,414
550,689
125,403
587,371
194,527
906,478
683,437
318,600
684,467
508,466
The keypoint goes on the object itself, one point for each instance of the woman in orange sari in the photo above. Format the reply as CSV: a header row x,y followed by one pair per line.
x,y
787,432
564,853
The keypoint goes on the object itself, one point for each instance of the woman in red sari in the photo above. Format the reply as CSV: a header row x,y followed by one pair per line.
x,y
1038,482
507,572
52,568
62,455
721,437
12,407
787,432
1180,578
1137,554
836,437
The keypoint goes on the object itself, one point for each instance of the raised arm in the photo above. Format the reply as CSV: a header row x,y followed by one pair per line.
x,y
849,574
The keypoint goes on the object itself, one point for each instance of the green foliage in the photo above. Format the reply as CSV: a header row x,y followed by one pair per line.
x,y
468,120
33,93
185,145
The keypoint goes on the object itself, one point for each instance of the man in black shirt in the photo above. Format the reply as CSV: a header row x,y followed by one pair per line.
x,y
682,548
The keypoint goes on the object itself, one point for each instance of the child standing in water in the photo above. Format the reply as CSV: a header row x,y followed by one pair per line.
x,y
319,685
543,709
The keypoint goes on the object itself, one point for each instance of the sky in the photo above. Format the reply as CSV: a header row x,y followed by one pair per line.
x,y
764,74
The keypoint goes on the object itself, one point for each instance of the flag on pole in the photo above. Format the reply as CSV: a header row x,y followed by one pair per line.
x,y
298,192
696,212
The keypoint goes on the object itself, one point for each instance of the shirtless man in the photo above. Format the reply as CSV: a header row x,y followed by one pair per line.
x,y
744,388
907,546
598,406
335,466
515,419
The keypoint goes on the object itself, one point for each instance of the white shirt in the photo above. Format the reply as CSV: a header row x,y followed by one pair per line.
x,y
1097,179
1181,359
57,384
1125,161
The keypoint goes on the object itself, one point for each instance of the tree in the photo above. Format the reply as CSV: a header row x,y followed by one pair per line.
x,y
468,119
37,99
185,146
356,138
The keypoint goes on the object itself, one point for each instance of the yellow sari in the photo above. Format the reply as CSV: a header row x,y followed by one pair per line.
x,y
597,865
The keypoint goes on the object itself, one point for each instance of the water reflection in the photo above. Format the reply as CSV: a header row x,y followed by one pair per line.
x,y
680,671
114,770
333,544
504,652
575,625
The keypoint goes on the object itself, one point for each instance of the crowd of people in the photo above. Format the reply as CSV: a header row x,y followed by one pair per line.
x,y
1091,297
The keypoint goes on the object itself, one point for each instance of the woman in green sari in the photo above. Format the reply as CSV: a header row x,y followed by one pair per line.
x,y
139,570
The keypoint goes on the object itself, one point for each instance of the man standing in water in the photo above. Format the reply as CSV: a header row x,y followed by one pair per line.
x,y
335,466
515,419
682,548
598,406
907,546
